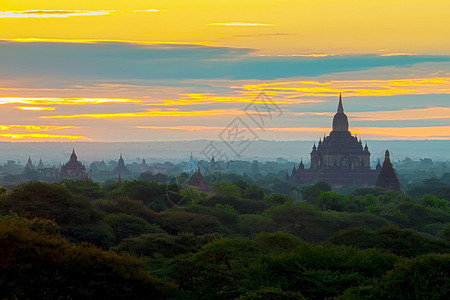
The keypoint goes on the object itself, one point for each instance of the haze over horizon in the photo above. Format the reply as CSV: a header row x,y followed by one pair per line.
x,y
114,71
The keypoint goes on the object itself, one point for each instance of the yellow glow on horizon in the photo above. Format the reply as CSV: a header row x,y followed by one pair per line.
x,y
425,132
35,108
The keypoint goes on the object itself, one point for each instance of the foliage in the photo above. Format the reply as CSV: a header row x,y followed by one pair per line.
x,y
319,271
127,206
163,244
434,202
271,293
278,199
49,201
226,214
251,225
150,193
311,193
310,224
424,277
177,221
78,218
253,192
86,188
39,266
125,226
405,242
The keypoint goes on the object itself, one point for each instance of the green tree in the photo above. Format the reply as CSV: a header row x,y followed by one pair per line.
x,y
86,188
424,277
311,193
162,244
405,242
78,218
125,226
253,192
177,221
35,265
127,206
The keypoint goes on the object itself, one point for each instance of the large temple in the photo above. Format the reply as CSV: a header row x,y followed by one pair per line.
x,y
339,159
73,169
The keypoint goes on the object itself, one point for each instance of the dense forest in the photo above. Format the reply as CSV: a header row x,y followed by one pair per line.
x,y
246,239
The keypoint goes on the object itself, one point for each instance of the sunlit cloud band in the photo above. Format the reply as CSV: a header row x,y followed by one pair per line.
x,y
53,13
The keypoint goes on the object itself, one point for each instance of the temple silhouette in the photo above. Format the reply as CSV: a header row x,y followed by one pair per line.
x,y
73,169
339,159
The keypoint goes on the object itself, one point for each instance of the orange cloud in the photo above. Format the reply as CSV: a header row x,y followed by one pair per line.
x,y
153,113
430,132
404,114
256,98
184,128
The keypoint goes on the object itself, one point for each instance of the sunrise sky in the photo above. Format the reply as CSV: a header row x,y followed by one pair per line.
x,y
141,70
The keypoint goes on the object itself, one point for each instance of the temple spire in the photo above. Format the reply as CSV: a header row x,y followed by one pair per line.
x,y
340,120
340,106
387,178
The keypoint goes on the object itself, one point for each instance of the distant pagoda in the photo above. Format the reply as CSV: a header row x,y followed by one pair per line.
x,y
29,164
199,182
121,170
73,169
191,166
40,165
339,159
387,178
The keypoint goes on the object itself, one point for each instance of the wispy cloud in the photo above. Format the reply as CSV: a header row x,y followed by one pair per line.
x,y
150,11
403,114
35,127
152,113
183,128
16,136
53,13
241,24
35,108
115,60
361,88
62,101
